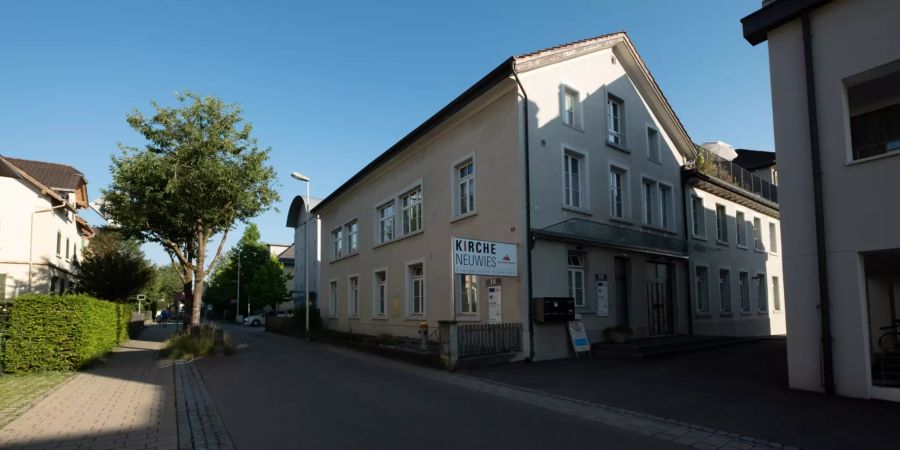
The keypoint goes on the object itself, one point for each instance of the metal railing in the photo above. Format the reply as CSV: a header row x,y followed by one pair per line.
x,y
488,339
722,169
602,233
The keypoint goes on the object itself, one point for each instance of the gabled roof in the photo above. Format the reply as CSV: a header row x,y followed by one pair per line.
x,y
20,173
52,175
754,159
287,255
518,64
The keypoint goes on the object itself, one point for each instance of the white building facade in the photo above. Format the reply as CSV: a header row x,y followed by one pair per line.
x,y
835,75
306,251
41,235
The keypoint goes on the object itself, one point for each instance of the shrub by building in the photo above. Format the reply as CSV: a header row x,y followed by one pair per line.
x,y
62,332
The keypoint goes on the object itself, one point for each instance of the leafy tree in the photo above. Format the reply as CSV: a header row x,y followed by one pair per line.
x,y
167,282
199,173
262,276
113,267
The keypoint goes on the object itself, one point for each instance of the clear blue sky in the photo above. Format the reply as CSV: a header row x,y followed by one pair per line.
x,y
329,87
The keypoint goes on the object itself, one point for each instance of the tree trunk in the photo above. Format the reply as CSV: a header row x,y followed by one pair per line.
x,y
199,275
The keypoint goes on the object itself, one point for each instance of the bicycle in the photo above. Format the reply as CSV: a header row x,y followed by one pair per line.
x,y
890,342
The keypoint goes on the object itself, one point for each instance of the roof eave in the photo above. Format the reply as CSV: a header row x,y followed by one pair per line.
x,y
758,24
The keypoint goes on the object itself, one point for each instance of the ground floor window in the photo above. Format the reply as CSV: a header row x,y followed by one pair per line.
x,y
762,293
379,297
776,294
724,290
467,293
701,281
576,278
882,288
416,291
744,291
353,297
332,298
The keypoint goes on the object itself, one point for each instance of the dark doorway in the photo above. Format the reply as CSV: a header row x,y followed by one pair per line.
x,y
659,299
623,284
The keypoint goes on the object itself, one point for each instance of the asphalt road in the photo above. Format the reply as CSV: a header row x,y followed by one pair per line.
x,y
281,392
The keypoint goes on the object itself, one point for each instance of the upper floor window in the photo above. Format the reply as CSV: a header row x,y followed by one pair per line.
x,y
570,106
67,249
773,237
617,192
665,206
411,203
352,230
698,217
757,234
386,222
573,179
58,243
721,224
873,100
576,278
465,187
649,201
614,110
337,243
740,222
653,152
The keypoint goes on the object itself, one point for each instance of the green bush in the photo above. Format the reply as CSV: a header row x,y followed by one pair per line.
x,y
62,332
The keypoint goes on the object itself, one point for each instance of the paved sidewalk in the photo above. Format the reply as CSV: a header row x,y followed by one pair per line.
x,y
126,402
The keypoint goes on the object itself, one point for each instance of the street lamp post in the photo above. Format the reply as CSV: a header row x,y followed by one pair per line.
x,y
300,177
237,308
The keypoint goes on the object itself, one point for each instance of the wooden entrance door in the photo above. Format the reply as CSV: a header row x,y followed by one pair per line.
x,y
659,299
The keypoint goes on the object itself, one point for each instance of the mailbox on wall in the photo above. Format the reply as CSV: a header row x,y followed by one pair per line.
x,y
553,309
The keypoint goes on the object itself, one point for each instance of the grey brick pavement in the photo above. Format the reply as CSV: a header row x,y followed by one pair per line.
x,y
199,423
127,402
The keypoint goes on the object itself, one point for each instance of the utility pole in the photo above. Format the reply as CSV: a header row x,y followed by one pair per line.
x,y
237,309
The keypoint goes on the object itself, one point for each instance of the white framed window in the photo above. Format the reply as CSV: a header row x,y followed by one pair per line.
x,y
58,243
724,290
701,282
617,192
615,109
332,298
773,237
570,106
650,193
379,294
740,222
762,293
698,217
465,187
776,293
573,179
386,222
744,291
653,150
416,290
757,234
352,231
576,278
467,293
353,296
665,207
411,204
337,243
68,255
721,224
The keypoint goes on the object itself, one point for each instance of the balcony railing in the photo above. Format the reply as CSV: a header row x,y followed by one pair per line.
x,y
722,169
626,238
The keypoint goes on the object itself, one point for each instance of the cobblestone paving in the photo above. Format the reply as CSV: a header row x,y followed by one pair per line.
x,y
125,403
199,423
671,430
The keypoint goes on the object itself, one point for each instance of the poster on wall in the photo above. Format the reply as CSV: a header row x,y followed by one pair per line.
x,y
602,295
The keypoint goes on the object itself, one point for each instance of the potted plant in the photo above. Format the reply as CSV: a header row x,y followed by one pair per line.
x,y
618,334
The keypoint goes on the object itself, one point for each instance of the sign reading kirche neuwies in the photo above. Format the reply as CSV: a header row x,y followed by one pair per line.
x,y
477,257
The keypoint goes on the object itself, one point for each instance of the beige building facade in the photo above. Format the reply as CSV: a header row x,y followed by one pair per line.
x,y
835,75
573,157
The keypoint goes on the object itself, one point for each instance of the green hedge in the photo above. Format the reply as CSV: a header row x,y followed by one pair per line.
x,y
62,332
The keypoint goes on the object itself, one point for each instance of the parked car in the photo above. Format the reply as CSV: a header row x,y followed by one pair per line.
x,y
255,320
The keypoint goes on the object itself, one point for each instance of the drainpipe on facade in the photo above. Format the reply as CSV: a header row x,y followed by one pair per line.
x,y
528,232
687,241
818,205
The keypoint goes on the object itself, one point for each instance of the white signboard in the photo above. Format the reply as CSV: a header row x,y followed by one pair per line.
x,y
602,298
578,336
476,257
